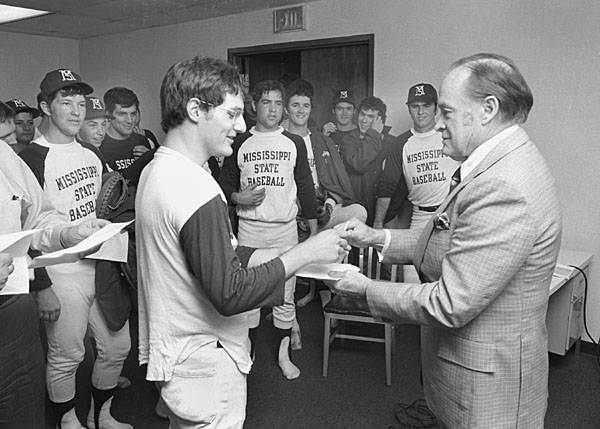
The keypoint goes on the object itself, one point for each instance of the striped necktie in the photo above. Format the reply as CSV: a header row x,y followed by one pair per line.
x,y
455,180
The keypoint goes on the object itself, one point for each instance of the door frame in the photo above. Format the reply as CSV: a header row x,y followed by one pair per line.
x,y
235,54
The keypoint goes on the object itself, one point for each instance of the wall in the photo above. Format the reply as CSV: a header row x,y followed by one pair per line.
x,y
25,59
554,43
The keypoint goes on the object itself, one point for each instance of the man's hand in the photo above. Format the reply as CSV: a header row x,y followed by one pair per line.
x,y
360,235
72,235
6,268
328,246
139,150
329,128
378,124
250,196
350,284
48,304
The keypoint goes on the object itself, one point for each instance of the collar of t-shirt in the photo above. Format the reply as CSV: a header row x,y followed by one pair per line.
x,y
423,135
481,152
44,142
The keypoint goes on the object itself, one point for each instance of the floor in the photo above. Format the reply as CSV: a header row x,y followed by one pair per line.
x,y
354,395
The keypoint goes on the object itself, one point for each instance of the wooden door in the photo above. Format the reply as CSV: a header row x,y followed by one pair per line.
x,y
332,68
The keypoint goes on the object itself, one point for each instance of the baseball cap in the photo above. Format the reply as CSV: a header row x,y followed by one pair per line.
x,y
343,96
60,78
422,92
20,106
94,108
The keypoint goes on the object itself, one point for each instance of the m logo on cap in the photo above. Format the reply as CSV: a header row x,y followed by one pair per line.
x,y
343,94
19,103
67,75
96,104
419,91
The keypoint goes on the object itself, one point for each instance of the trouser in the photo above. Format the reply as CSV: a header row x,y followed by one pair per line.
x,y
207,390
21,365
273,239
66,348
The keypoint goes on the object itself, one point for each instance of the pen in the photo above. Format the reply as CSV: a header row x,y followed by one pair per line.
x,y
346,226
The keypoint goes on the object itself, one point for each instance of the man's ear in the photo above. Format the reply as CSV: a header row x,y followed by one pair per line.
x,y
253,106
194,110
45,108
490,107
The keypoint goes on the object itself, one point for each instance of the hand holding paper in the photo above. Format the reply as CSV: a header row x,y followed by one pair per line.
x,y
15,245
6,268
349,284
73,235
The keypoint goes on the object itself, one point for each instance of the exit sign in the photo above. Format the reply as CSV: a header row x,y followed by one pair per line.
x,y
288,19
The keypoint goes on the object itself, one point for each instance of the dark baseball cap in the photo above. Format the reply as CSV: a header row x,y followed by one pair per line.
x,y
422,92
20,106
94,108
61,78
343,96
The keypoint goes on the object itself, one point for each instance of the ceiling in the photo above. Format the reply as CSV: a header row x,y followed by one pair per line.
x,y
82,19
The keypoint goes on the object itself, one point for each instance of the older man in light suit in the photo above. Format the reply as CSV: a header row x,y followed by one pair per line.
x,y
485,260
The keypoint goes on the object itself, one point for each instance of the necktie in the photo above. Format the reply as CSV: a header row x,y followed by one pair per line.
x,y
455,180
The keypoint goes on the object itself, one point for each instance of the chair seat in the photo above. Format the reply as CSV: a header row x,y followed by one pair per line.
x,y
348,306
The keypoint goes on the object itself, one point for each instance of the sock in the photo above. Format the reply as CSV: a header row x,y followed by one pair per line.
x,y
61,408
100,397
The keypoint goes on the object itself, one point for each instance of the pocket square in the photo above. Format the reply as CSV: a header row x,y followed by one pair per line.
x,y
441,221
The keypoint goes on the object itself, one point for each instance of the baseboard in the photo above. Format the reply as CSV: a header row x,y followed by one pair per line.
x,y
588,348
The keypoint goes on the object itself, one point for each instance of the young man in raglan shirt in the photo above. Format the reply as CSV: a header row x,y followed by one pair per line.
x,y
22,377
267,173
415,168
194,294
70,176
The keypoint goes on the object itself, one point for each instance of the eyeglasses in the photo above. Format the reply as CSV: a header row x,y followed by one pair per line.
x,y
234,114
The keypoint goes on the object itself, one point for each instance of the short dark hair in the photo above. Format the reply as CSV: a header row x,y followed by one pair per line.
x,y
267,86
301,91
6,112
498,76
374,103
122,96
205,78
66,91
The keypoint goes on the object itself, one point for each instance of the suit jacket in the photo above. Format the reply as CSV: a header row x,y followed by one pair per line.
x,y
485,293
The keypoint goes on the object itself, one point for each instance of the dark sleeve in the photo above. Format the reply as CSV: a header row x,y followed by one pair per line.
x,y
231,288
303,179
150,135
35,156
393,173
358,153
133,172
229,178
98,154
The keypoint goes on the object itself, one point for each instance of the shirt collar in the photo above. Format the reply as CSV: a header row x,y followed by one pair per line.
x,y
481,152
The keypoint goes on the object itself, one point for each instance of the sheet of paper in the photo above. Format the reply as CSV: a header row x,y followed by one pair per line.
x,y
321,271
85,248
113,249
17,244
